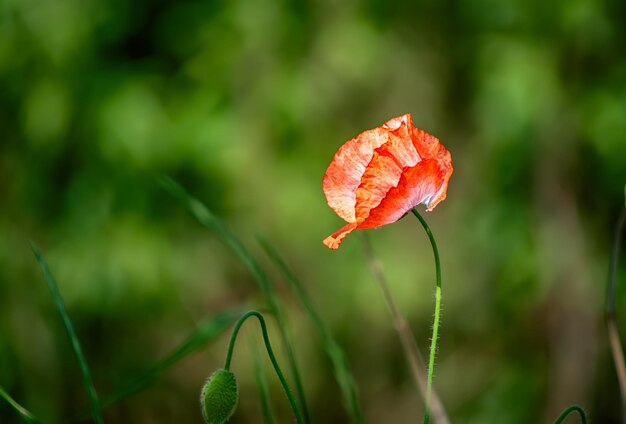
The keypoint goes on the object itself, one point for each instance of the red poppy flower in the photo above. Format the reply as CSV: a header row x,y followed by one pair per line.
x,y
377,177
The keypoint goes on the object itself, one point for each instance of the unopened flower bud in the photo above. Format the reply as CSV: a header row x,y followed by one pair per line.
x,y
219,397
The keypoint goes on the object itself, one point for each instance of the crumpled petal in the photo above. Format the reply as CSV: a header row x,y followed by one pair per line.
x,y
384,170
344,173
377,177
381,175
419,184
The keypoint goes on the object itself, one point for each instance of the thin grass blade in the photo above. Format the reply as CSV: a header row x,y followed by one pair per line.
x,y
617,351
335,353
206,332
208,220
261,384
24,413
69,328
407,339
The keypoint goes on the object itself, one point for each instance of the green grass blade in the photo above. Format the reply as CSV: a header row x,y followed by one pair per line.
x,y
617,351
261,383
84,368
207,219
207,331
333,350
21,411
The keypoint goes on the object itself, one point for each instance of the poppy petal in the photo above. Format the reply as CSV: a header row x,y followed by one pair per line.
x,y
381,174
384,170
445,171
343,176
333,241
377,177
427,145
423,183
402,149
395,123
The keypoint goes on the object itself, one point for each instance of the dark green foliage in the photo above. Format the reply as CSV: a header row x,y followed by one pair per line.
x,y
244,102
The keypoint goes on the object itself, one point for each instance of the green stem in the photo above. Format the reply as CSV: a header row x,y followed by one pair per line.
x,y
206,218
569,410
270,352
69,328
335,353
433,343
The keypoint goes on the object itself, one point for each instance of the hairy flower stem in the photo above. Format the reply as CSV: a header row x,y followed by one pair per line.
x,y
407,339
433,343
270,352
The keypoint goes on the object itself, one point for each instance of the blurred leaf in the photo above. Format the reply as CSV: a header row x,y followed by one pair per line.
x,y
261,384
23,412
206,332
210,221
82,362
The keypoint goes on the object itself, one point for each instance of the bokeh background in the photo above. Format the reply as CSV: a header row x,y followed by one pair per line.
x,y
244,102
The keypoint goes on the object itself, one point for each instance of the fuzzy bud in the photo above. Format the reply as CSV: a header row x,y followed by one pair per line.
x,y
219,397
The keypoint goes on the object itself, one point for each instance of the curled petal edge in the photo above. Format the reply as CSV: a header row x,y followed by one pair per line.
x,y
333,241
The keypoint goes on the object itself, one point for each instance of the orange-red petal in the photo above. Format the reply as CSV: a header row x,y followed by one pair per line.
x,y
381,174
384,170
425,183
427,145
343,176
377,177
333,241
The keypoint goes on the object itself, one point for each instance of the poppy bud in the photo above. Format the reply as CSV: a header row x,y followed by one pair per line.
x,y
219,397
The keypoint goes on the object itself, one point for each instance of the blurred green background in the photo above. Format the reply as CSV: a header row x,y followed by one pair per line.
x,y
244,102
